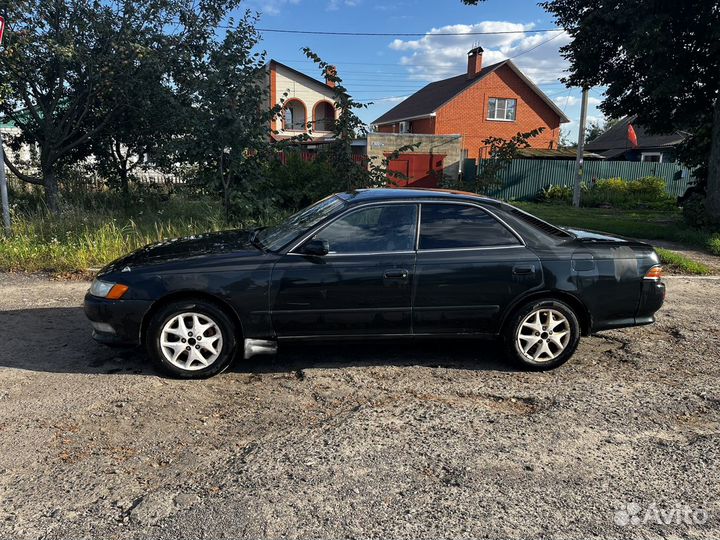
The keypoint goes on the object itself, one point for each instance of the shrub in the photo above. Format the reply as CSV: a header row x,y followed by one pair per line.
x,y
553,193
647,192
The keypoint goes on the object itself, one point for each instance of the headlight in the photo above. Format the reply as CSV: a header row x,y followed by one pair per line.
x,y
106,289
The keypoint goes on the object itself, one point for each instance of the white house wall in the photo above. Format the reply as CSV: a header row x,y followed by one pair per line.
x,y
298,88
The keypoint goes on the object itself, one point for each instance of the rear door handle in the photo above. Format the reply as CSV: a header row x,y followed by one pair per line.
x,y
396,273
523,270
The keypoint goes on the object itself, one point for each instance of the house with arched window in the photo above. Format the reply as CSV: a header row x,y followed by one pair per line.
x,y
308,103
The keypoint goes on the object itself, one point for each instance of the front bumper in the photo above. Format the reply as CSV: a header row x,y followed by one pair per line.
x,y
116,322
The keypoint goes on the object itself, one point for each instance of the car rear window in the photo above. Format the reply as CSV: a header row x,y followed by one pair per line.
x,y
535,222
453,226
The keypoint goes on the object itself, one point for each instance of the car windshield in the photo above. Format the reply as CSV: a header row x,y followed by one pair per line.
x,y
274,238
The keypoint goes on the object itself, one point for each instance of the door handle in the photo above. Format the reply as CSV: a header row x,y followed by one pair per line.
x,y
521,270
396,273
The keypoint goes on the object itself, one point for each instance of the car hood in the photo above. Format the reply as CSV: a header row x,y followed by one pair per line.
x,y
179,249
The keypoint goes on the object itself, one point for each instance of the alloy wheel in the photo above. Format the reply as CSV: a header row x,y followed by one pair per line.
x,y
543,335
191,341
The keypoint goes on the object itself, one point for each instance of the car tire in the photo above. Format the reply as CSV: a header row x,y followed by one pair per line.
x,y
542,335
192,339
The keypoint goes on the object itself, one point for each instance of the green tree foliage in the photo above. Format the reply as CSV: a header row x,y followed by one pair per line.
x,y
230,123
69,68
593,131
663,66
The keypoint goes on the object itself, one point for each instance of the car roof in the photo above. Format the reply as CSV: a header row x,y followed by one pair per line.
x,y
395,194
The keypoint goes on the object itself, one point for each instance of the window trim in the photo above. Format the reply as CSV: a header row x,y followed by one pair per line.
x,y
653,154
521,242
351,210
419,203
496,118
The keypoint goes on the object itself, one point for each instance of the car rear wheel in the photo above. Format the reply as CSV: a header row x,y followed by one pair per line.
x,y
542,334
191,339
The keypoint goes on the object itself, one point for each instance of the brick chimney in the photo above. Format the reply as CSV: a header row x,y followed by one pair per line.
x,y
474,62
330,71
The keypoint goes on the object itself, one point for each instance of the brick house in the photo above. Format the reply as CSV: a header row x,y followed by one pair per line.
x,y
495,100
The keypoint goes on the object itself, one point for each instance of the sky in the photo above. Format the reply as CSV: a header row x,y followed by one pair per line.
x,y
385,69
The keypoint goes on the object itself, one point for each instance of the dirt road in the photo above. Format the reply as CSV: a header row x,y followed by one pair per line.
x,y
378,441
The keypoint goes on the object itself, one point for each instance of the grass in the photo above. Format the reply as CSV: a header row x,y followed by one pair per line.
x,y
682,264
643,224
91,234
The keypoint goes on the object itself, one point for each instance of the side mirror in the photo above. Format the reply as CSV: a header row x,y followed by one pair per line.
x,y
317,248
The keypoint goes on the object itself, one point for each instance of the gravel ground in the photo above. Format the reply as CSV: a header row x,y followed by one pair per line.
x,y
439,440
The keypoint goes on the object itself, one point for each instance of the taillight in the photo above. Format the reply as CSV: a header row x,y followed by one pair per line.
x,y
654,273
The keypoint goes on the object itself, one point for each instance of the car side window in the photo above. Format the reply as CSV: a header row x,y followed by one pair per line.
x,y
376,229
452,226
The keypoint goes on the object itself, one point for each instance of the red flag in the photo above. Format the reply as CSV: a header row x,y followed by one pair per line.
x,y
632,136
2,28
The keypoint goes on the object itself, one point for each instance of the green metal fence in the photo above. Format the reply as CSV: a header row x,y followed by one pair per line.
x,y
524,178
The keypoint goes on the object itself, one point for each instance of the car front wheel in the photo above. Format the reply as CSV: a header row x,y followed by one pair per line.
x,y
542,335
191,339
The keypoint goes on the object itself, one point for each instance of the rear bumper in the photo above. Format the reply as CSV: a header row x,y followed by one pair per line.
x,y
116,322
652,297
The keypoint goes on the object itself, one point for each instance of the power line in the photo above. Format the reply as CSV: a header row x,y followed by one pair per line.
x,y
403,34
561,32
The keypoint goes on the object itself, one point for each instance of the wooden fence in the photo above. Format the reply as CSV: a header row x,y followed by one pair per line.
x,y
525,178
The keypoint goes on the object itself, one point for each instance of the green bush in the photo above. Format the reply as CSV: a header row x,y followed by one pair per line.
x,y
553,193
299,183
647,192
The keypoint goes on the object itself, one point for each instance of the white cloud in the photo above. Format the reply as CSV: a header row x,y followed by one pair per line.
x,y
271,7
434,57
334,5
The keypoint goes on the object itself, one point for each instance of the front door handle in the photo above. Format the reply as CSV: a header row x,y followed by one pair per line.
x,y
520,270
396,273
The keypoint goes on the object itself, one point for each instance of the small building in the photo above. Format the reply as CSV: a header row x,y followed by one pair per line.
x,y
614,144
497,100
433,158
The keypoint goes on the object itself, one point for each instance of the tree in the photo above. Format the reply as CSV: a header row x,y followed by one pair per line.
x,y
66,65
230,124
150,115
663,66
593,130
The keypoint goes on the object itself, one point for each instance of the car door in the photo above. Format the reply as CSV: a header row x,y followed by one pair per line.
x,y
469,268
361,287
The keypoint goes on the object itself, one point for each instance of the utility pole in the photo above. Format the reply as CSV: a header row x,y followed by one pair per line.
x,y
3,178
580,149
4,189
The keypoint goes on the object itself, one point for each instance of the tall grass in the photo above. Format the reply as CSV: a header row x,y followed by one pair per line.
x,y
95,229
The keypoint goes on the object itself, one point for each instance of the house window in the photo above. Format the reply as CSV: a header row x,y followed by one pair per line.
x,y
404,127
324,116
651,157
294,118
502,109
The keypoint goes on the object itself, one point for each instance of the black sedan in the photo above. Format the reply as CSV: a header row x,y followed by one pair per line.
x,y
379,263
